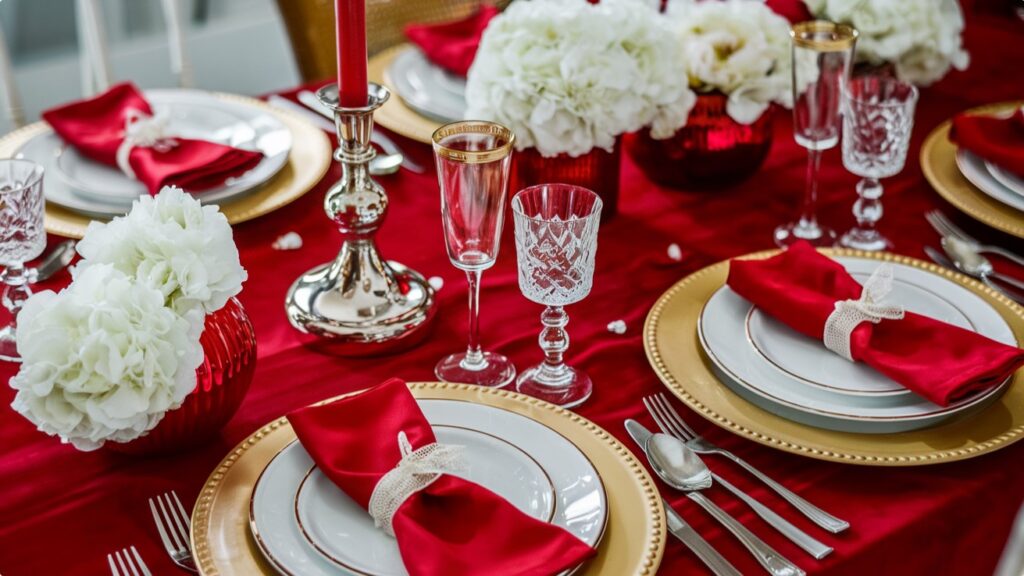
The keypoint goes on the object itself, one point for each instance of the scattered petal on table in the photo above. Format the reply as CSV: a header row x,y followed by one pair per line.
x,y
675,253
436,282
289,241
617,327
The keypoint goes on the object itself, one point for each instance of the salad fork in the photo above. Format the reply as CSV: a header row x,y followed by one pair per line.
x,y
173,524
129,566
659,407
945,227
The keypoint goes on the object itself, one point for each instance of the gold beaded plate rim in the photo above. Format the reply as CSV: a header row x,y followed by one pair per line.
x,y
308,161
674,352
394,114
634,539
938,162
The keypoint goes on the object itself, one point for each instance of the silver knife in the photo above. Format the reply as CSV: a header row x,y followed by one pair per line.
x,y
680,529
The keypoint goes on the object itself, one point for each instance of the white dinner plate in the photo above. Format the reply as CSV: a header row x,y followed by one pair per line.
x,y
305,525
428,89
789,374
979,173
80,184
1011,181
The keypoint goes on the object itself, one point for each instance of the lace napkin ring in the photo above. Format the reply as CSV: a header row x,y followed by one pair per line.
x,y
415,471
848,314
141,129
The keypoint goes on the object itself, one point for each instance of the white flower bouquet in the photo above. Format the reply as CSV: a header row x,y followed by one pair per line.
x,y
920,38
107,357
568,76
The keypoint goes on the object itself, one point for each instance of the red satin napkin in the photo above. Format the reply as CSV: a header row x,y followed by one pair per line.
x,y
936,360
998,140
95,127
793,10
452,45
452,527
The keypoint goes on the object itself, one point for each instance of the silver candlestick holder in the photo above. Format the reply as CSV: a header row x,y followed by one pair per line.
x,y
359,304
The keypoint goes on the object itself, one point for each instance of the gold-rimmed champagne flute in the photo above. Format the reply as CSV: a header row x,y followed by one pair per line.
x,y
822,55
473,159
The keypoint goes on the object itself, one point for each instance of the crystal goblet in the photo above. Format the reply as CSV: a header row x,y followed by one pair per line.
x,y
22,238
556,244
877,120
473,159
822,53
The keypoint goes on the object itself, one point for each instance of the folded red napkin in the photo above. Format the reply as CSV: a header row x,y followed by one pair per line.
x,y
452,527
936,360
998,140
96,128
452,45
792,10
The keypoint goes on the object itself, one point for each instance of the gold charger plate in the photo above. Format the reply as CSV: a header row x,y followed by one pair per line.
x,y
308,161
633,542
938,161
395,115
675,353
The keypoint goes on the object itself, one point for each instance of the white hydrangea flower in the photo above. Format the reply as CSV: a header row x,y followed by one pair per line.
x,y
171,243
104,359
921,38
568,76
738,47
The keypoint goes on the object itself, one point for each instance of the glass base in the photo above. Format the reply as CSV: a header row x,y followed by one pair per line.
x,y
572,390
494,371
815,235
8,345
869,240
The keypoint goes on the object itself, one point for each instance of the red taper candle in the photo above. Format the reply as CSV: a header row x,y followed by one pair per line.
x,y
350,28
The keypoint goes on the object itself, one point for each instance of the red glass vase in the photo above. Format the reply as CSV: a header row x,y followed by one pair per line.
x,y
229,346
711,151
597,170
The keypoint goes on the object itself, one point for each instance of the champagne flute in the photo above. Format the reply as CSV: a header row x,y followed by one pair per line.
x,y
473,159
22,238
822,54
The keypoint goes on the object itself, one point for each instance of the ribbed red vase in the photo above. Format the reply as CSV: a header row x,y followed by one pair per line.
x,y
229,345
597,170
711,151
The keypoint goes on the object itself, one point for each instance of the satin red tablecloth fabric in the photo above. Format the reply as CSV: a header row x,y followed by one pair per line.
x,y
62,511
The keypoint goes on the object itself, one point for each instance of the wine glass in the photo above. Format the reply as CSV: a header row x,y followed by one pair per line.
x,y
22,238
877,121
473,159
822,53
556,243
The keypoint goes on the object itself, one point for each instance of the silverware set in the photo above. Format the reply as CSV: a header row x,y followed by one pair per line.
x,y
673,455
965,254
173,524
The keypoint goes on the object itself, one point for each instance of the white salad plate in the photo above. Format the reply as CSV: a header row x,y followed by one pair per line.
x,y
306,525
80,184
428,89
993,181
796,377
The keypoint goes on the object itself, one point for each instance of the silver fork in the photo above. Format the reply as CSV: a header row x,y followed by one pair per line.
x,y
945,227
680,430
173,524
136,566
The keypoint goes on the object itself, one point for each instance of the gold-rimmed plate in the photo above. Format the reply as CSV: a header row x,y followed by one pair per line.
x,y
632,543
395,115
308,161
674,351
938,161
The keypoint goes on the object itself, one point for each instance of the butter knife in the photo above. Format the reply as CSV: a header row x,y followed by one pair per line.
x,y
699,546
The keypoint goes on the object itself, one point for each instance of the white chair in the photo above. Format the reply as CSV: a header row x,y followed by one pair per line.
x,y
8,91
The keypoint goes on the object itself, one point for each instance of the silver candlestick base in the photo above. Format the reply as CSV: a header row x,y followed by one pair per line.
x,y
359,304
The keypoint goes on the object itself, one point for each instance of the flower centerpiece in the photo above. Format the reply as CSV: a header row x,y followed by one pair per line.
x,y
147,345
736,57
920,39
569,78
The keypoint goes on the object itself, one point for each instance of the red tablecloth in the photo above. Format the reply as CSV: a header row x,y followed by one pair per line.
x,y
62,511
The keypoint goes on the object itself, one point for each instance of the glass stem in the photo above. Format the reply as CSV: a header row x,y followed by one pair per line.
x,y
868,207
554,341
474,359
809,210
16,290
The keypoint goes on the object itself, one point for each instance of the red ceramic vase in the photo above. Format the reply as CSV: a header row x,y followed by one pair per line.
x,y
711,151
229,346
597,170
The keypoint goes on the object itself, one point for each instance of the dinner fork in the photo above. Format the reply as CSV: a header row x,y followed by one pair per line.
x,y
173,524
129,566
658,405
945,227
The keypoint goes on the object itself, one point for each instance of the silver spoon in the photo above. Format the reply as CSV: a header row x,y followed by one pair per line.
x,y
681,467
971,262
57,259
